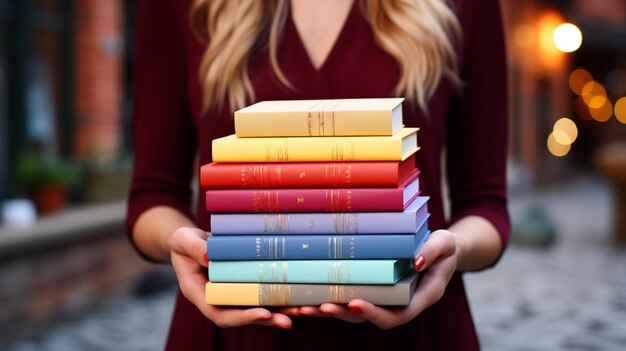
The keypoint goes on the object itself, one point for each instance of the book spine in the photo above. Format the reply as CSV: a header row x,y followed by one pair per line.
x,y
405,222
309,149
305,200
310,247
303,175
310,271
265,294
313,123
313,223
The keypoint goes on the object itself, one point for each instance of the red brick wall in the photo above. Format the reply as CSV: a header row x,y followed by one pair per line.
x,y
98,77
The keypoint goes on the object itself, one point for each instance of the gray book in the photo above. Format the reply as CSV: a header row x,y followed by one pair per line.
x,y
259,294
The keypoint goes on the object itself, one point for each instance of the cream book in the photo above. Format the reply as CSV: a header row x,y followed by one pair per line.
x,y
396,147
334,117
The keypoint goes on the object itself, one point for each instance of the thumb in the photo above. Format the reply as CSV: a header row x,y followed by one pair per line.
x,y
190,242
440,243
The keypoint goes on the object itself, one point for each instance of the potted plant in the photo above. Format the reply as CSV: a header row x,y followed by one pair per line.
x,y
46,179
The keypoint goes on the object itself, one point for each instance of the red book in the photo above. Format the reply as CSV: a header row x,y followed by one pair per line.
x,y
306,174
314,200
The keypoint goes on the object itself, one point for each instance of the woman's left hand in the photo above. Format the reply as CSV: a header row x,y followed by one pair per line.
x,y
437,259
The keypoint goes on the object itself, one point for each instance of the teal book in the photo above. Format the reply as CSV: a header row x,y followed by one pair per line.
x,y
303,271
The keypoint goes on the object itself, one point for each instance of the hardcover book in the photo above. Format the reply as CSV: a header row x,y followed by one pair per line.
x,y
306,174
397,147
405,222
313,272
382,116
259,294
313,199
315,247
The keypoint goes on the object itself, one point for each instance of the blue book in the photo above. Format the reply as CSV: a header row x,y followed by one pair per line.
x,y
312,271
315,247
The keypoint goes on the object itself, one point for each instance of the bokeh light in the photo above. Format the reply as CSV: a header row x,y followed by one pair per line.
x,y
620,110
565,130
555,148
567,37
603,113
577,80
591,90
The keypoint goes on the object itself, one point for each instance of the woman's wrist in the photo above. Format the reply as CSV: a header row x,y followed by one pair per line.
x,y
460,248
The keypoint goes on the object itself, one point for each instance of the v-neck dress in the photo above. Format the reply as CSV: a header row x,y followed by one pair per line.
x,y
466,124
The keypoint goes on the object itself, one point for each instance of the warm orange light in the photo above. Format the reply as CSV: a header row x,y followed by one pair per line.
x,y
523,36
591,90
620,110
565,131
555,148
562,138
550,56
597,102
578,79
567,37
603,113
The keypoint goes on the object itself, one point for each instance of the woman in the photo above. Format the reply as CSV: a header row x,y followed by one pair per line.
x,y
446,58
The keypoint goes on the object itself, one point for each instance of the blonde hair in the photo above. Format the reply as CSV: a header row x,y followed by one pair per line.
x,y
417,33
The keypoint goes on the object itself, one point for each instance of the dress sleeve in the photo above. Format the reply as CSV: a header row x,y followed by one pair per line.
x,y
478,125
163,133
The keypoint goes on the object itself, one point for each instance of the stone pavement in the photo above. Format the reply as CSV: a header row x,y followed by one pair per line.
x,y
570,296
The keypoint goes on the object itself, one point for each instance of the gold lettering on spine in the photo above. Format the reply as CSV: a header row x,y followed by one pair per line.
x,y
342,150
276,248
338,200
274,294
285,270
282,223
265,201
278,151
345,223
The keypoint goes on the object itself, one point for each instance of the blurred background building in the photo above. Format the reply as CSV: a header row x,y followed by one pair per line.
x,y
65,102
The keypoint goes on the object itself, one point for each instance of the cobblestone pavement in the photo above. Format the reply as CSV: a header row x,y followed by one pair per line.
x,y
570,296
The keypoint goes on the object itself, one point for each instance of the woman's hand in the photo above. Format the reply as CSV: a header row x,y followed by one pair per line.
x,y
437,259
190,262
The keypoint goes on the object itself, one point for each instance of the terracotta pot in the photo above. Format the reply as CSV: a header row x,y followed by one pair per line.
x,y
49,198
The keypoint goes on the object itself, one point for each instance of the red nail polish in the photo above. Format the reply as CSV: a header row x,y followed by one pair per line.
x,y
419,263
206,258
264,318
355,308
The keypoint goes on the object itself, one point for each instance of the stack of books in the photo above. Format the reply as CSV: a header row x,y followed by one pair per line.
x,y
314,201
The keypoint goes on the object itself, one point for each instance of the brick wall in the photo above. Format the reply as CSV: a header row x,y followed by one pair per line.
x,y
98,77
40,288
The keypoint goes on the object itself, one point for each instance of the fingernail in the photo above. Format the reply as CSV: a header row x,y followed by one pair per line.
x,y
206,258
280,326
355,308
264,318
419,263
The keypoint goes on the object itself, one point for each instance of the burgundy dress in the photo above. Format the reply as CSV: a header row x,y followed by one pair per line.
x,y
169,130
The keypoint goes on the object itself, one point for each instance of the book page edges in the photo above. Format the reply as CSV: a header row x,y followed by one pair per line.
x,y
232,294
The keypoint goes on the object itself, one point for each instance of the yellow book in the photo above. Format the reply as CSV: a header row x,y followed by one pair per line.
x,y
267,294
332,117
396,147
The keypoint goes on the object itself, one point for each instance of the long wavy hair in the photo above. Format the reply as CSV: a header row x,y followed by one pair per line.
x,y
419,34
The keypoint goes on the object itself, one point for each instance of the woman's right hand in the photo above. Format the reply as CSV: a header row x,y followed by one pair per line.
x,y
190,262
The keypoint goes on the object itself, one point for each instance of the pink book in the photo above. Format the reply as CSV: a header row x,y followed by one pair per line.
x,y
313,200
